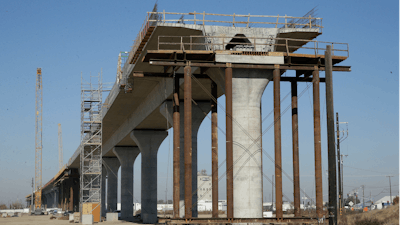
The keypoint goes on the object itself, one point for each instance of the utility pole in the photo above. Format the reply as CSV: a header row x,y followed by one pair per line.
x,y
390,186
272,208
363,197
338,156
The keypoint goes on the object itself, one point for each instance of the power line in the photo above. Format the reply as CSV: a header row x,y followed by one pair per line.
x,y
366,170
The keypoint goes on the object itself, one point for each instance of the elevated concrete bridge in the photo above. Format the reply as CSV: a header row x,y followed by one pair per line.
x,y
171,52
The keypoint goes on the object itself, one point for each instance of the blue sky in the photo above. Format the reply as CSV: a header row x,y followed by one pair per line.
x,y
66,38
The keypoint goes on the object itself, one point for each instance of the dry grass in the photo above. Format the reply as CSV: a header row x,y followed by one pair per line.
x,y
63,218
389,215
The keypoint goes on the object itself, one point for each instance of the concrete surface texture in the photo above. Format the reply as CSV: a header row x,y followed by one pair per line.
x,y
112,165
111,217
126,156
247,89
87,219
199,112
149,141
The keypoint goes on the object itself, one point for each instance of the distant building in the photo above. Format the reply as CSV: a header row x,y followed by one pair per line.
x,y
204,191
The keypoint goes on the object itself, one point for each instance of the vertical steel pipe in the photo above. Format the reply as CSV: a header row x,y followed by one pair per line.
x,y
188,140
317,143
277,137
176,122
229,143
295,141
330,119
214,148
71,196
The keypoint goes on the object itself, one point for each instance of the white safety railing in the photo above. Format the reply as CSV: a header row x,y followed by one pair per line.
x,y
249,44
198,18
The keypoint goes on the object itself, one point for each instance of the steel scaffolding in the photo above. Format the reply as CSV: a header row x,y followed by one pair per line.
x,y
91,144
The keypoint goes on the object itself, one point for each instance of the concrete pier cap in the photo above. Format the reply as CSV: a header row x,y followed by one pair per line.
x,y
148,142
112,165
199,112
126,156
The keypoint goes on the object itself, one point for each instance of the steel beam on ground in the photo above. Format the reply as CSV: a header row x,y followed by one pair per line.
x,y
277,138
317,143
214,148
295,138
229,139
330,119
188,140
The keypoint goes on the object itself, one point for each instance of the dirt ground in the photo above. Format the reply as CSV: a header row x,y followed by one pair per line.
x,y
45,220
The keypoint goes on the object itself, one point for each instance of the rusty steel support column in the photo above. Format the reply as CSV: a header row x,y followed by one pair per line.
x,y
71,197
295,138
330,119
229,139
277,137
188,140
176,173
214,148
317,143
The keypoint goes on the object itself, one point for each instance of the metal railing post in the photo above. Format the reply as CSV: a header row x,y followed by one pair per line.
x,y
164,15
310,20
204,15
194,17
181,42
233,23
277,20
285,21
248,20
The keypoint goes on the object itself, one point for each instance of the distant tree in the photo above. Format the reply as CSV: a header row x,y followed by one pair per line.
x,y
170,201
396,200
17,205
3,206
160,201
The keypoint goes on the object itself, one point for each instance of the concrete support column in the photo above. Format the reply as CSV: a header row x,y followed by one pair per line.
x,y
199,112
112,165
126,156
103,190
247,89
149,141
